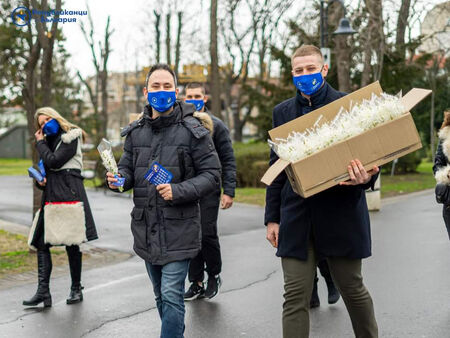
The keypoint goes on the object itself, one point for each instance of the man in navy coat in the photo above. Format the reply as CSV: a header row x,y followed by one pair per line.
x,y
333,224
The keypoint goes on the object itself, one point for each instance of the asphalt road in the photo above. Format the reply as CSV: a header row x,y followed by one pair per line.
x,y
408,277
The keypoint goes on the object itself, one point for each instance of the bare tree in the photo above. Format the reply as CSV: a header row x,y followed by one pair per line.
x,y
402,24
158,36
100,63
42,41
342,49
168,47
47,41
266,16
214,73
373,41
178,43
239,46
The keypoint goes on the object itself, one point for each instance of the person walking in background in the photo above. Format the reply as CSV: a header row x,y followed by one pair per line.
x,y
441,167
333,293
333,224
209,258
65,217
166,217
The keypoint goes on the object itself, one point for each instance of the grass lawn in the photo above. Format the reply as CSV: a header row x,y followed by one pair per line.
x,y
251,196
15,256
390,185
14,166
403,184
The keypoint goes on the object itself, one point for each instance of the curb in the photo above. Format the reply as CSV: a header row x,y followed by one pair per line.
x,y
98,257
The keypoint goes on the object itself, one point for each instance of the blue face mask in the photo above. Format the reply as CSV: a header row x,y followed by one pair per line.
x,y
51,128
308,84
161,101
197,103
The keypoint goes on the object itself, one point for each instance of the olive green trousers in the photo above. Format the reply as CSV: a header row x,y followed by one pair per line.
x,y
298,284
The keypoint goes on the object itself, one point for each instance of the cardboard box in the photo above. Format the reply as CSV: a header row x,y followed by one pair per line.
x,y
328,167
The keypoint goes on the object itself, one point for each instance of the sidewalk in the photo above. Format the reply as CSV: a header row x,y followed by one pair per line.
x,y
98,257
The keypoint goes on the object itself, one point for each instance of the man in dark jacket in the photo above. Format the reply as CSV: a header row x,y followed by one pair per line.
x,y
209,205
166,217
333,224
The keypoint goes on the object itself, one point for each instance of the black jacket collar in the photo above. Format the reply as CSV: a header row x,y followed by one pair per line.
x,y
163,121
317,99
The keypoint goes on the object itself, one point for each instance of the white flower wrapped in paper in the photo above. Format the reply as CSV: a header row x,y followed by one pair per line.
x,y
360,118
109,162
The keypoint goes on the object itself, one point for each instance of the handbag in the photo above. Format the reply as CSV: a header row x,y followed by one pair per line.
x,y
442,192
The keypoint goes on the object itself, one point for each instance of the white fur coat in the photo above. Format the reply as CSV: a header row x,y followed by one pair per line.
x,y
443,173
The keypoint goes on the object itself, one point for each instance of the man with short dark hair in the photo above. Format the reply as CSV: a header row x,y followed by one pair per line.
x,y
166,216
333,224
210,255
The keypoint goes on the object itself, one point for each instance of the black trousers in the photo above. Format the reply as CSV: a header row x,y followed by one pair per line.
x,y
324,270
210,253
446,214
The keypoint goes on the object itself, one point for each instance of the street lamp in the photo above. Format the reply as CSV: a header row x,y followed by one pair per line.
x,y
344,27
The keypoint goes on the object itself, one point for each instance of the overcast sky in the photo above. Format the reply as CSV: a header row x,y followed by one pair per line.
x,y
132,21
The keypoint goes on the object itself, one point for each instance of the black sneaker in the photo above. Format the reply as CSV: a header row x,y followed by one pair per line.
x,y
213,286
195,291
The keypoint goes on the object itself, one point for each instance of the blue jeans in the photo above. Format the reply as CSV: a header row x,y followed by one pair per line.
x,y
168,286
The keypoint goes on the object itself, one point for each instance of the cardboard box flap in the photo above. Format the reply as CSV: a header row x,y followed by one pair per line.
x,y
328,112
275,169
413,97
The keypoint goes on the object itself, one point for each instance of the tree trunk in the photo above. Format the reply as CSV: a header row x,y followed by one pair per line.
x,y
343,63
238,124
432,136
158,37
178,44
214,72
402,22
169,60
104,111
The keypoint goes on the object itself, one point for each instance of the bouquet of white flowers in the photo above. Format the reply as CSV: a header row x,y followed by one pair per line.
x,y
109,162
346,124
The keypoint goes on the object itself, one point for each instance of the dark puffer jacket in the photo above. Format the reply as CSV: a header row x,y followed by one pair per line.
x,y
167,231
224,148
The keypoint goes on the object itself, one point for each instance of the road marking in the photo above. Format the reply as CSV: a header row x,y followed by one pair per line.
x,y
108,284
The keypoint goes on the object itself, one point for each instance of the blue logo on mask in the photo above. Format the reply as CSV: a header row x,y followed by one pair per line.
x,y
308,84
51,128
197,103
161,101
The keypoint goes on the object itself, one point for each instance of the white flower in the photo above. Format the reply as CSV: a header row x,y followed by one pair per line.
x,y
107,156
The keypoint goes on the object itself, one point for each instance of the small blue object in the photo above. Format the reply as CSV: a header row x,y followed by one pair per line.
x,y
120,181
157,174
41,168
35,174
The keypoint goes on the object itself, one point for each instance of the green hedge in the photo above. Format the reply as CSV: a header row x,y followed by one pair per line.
x,y
252,160
405,164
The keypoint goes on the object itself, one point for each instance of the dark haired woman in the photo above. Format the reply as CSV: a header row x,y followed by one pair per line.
x,y
441,168
65,217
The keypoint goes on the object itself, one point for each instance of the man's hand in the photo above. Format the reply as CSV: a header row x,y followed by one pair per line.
x,y
110,178
165,190
43,183
272,233
39,135
226,202
359,175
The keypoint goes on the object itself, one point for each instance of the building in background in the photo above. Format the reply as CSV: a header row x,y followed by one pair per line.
x,y
436,30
